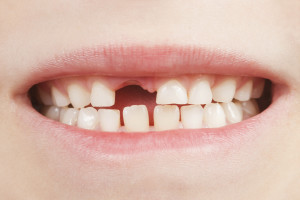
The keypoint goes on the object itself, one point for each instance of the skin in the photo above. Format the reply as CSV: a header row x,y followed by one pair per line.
x,y
267,31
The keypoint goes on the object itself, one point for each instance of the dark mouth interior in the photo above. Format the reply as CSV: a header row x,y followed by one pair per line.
x,y
265,101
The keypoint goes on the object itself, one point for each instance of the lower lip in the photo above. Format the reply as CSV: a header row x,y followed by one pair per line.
x,y
92,145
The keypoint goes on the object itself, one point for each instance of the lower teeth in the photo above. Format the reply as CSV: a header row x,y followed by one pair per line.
x,y
166,117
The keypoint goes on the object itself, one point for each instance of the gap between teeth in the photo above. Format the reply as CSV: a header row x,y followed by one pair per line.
x,y
216,93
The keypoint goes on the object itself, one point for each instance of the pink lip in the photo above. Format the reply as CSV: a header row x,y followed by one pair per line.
x,y
146,61
149,61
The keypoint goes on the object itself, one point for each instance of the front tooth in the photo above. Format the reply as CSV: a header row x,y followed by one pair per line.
x,y
200,92
109,120
102,96
224,90
51,112
136,118
250,108
214,116
166,117
192,116
172,92
59,99
45,97
78,95
244,92
258,88
69,116
233,112
88,118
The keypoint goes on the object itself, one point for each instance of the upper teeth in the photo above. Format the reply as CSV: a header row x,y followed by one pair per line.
x,y
59,98
79,96
244,92
200,92
171,92
101,95
197,91
258,87
45,97
224,90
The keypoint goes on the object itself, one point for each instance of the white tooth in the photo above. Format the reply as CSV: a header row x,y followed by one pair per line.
x,y
109,120
58,98
250,109
51,112
62,113
224,90
214,116
244,92
166,117
192,116
102,96
233,112
45,97
171,92
200,92
78,95
69,116
258,88
136,118
88,118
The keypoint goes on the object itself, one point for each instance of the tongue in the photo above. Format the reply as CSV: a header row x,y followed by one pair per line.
x,y
135,95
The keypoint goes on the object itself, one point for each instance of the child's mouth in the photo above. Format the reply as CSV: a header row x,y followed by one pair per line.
x,y
142,104
135,99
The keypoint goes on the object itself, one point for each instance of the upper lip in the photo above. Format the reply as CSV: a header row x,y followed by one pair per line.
x,y
141,61
147,61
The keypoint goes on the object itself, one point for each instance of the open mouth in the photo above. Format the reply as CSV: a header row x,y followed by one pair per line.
x,y
142,104
138,98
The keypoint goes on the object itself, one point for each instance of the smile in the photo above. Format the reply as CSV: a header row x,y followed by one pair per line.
x,y
186,102
135,99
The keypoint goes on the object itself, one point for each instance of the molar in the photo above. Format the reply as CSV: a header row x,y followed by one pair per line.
x,y
258,88
62,113
250,108
52,112
45,97
171,92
